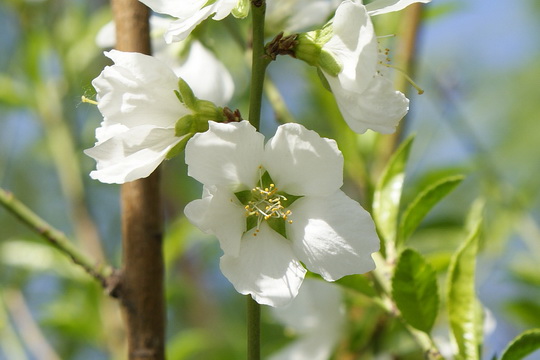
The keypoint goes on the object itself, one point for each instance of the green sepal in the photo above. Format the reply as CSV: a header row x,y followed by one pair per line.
x,y
278,225
178,148
185,94
251,222
290,199
244,196
329,63
266,180
323,79
241,10
185,125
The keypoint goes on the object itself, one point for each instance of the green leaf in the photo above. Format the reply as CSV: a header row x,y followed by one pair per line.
x,y
415,291
523,345
423,203
464,309
388,194
359,283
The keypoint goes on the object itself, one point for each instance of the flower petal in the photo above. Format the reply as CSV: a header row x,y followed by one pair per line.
x,y
172,7
227,154
132,154
200,69
265,268
354,44
379,107
333,235
298,15
378,7
302,163
137,90
221,214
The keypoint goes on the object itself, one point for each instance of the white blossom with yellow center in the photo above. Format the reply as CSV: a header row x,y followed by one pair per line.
x,y
276,206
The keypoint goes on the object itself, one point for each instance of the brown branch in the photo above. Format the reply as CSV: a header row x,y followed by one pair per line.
x,y
140,287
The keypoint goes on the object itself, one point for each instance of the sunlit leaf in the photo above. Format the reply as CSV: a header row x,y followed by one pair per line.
x,y
523,345
388,194
423,203
415,291
464,310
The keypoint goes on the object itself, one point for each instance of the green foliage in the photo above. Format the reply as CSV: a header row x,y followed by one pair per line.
x,y
464,309
523,345
415,291
423,203
387,194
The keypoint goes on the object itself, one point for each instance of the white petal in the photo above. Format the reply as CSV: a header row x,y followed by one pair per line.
x,y
379,107
378,7
181,28
226,154
315,346
317,308
179,9
302,163
191,16
298,15
355,45
206,75
221,214
333,235
137,90
131,155
265,268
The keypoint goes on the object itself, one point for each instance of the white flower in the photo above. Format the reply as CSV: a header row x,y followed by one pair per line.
x,y
140,109
354,67
273,206
317,316
198,66
298,15
190,13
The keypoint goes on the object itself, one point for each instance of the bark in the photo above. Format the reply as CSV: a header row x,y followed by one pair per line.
x,y
140,283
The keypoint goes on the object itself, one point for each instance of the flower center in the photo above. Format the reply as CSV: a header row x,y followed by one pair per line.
x,y
266,203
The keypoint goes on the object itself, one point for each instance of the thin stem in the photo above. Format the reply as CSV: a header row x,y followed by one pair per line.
x,y
259,63
258,69
254,329
55,237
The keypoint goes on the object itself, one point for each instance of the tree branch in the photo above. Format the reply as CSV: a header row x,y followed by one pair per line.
x,y
102,273
141,289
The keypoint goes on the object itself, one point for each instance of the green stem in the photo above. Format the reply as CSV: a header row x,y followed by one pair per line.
x,y
259,62
55,237
258,69
254,329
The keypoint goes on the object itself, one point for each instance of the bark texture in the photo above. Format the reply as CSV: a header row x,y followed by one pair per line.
x,y
140,283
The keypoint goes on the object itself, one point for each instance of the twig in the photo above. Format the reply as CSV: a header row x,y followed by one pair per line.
x,y
56,238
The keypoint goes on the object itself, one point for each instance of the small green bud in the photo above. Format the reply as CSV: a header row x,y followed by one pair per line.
x,y
309,48
185,125
241,10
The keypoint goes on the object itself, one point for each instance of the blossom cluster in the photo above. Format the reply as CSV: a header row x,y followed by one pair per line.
x,y
274,210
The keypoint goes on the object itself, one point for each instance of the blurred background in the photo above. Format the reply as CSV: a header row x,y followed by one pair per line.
x,y
479,64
